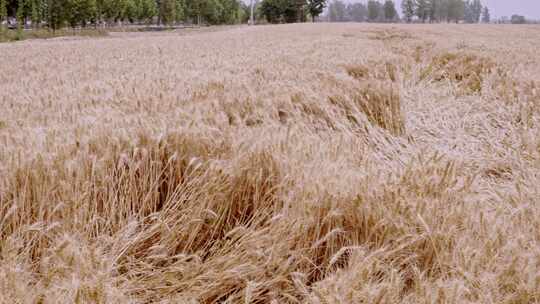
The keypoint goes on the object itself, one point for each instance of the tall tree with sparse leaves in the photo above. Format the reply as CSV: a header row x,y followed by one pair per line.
x,y
356,12
476,9
408,10
337,11
486,17
422,10
433,7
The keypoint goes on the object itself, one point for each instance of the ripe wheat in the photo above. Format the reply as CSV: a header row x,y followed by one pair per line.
x,y
324,163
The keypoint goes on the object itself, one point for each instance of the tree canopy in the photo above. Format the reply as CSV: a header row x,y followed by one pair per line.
x,y
58,13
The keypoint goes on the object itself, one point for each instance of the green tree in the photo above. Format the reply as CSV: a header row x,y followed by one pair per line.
x,y
35,15
167,11
296,11
81,12
3,11
131,11
21,16
421,10
180,11
289,11
113,10
316,7
272,10
456,10
212,11
408,9
56,14
204,10
374,9
230,12
390,12
145,10
275,11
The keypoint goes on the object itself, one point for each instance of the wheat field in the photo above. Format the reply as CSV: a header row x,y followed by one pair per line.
x,y
308,163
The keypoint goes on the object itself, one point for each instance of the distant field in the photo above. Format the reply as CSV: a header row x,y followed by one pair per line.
x,y
310,163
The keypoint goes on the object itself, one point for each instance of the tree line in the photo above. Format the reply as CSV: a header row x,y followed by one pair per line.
x,y
285,11
469,11
58,13
372,11
81,13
